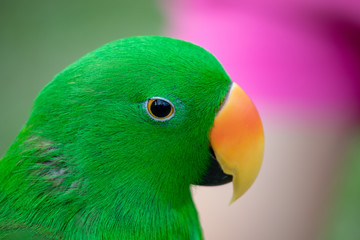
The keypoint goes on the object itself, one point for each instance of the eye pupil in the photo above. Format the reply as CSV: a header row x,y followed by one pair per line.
x,y
160,108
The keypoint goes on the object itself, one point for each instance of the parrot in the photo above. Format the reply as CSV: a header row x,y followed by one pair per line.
x,y
115,141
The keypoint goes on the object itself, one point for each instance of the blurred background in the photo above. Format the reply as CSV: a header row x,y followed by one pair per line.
x,y
299,61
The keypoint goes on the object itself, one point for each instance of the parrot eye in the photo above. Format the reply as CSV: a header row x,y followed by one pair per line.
x,y
160,109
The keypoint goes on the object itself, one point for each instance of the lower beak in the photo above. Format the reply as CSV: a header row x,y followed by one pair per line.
x,y
237,139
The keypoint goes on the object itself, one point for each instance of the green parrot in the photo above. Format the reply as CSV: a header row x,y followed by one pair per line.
x,y
115,141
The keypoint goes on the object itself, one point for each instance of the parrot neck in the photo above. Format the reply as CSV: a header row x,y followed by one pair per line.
x,y
143,213
142,209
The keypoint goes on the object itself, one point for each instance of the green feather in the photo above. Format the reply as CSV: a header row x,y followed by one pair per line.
x,y
90,163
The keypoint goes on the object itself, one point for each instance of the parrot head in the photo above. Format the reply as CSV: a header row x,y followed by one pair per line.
x,y
155,111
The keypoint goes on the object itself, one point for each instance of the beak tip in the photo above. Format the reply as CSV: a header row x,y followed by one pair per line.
x,y
232,201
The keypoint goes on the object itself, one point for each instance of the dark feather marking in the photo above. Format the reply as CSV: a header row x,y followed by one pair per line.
x,y
51,166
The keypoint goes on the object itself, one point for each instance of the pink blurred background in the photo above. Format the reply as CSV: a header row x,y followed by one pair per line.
x,y
300,63
299,60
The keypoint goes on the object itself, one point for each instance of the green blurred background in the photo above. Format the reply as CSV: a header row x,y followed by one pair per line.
x,y
39,38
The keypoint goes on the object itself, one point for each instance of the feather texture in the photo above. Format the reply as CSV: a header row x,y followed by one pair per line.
x,y
90,163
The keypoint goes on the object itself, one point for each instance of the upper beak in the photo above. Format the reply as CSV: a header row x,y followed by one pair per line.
x,y
237,139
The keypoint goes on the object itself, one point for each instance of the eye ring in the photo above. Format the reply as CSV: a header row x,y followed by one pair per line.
x,y
160,109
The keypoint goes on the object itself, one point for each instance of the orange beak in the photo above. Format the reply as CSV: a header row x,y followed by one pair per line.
x,y
237,139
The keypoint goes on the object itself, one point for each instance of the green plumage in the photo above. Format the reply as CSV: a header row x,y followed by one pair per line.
x,y
90,163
